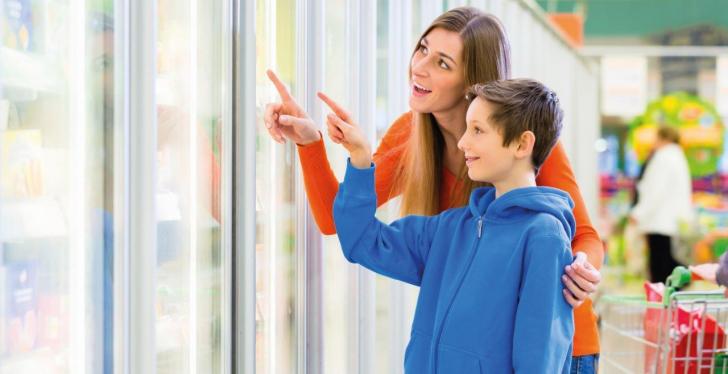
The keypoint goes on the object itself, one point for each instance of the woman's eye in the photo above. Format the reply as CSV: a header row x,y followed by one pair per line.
x,y
423,49
444,65
477,131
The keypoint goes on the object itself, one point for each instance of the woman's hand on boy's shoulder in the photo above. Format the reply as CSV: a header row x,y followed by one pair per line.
x,y
581,280
343,130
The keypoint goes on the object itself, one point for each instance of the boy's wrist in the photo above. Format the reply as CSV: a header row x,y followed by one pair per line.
x,y
361,158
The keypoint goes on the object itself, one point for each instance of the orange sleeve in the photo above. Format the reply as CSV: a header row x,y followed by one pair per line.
x,y
556,172
321,183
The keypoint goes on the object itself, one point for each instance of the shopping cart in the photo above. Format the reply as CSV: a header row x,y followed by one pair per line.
x,y
667,331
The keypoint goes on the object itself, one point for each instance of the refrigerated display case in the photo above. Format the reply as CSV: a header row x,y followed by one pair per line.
x,y
59,186
56,165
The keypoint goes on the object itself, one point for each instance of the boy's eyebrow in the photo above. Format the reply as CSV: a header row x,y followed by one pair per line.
x,y
424,41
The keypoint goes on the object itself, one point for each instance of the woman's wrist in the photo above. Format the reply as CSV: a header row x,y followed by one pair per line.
x,y
313,138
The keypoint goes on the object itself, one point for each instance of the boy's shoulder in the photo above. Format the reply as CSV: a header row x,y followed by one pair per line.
x,y
454,214
542,224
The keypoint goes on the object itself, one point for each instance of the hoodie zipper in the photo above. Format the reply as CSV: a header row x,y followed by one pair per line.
x,y
480,226
460,284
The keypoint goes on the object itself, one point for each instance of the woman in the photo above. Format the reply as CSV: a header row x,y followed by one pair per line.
x,y
665,199
418,157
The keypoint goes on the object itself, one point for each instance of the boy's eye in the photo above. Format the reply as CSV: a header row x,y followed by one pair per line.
x,y
477,130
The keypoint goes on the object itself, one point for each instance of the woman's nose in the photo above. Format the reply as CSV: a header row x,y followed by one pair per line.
x,y
419,67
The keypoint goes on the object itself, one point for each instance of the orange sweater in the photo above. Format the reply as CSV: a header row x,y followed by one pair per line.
x,y
322,186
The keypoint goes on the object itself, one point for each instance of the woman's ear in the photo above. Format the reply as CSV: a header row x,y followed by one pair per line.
x,y
525,144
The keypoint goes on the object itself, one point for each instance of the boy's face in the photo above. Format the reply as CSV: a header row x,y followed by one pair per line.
x,y
485,156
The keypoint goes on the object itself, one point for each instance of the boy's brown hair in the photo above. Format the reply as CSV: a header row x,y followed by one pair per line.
x,y
521,105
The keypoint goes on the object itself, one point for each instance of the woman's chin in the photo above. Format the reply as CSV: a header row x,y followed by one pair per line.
x,y
417,105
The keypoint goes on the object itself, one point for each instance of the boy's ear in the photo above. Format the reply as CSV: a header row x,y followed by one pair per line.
x,y
525,144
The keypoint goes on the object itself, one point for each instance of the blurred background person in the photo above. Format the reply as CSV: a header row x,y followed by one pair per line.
x,y
665,198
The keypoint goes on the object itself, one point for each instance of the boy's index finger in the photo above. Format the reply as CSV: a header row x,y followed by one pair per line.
x,y
334,106
280,87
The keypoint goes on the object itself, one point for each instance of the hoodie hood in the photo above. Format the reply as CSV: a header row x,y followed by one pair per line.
x,y
519,203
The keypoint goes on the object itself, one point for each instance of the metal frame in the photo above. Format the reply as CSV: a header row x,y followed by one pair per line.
x,y
121,218
309,300
399,51
243,214
142,166
361,15
227,174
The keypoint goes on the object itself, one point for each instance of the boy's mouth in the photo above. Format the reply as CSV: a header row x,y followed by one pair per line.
x,y
419,91
469,160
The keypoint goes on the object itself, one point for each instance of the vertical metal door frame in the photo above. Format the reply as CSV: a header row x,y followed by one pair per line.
x,y
309,246
142,186
361,19
243,188
122,161
226,185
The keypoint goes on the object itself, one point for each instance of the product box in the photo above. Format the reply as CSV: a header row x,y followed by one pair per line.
x,y
21,167
21,307
52,321
17,24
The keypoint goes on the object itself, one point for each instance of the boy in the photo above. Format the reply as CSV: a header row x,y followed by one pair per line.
x,y
490,294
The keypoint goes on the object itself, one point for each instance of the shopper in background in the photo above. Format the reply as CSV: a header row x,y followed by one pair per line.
x,y
418,158
665,199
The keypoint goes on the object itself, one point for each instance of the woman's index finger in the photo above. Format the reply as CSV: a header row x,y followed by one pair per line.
x,y
280,87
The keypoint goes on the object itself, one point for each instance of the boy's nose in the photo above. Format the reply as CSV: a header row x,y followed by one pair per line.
x,y
461,143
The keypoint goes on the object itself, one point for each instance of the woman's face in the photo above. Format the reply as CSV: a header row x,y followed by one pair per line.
x,y
436,82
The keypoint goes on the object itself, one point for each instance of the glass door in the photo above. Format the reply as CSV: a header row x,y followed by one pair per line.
x,y
276,268
191,114
56,186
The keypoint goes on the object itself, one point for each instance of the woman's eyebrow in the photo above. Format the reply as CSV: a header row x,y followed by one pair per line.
x,y
424,41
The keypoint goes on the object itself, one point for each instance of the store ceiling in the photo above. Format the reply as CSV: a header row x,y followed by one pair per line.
x,y
665,22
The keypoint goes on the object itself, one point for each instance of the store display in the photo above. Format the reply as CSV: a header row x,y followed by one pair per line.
x,y
21,165
17,24
700,126
21,306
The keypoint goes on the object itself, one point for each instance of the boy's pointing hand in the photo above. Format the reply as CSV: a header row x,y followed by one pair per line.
x,y
343,130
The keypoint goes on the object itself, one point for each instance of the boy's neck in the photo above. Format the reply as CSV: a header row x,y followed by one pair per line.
x,y
520,179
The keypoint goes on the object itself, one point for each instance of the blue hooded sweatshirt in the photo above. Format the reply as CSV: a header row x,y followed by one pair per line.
x,y
489,275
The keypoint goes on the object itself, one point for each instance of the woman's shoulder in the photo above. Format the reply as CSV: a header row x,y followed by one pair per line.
x,y
398,132
402,125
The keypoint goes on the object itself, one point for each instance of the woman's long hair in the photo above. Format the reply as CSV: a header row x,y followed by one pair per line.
x,y
486,57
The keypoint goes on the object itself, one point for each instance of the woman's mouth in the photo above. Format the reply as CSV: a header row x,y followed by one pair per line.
x,y
419,91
